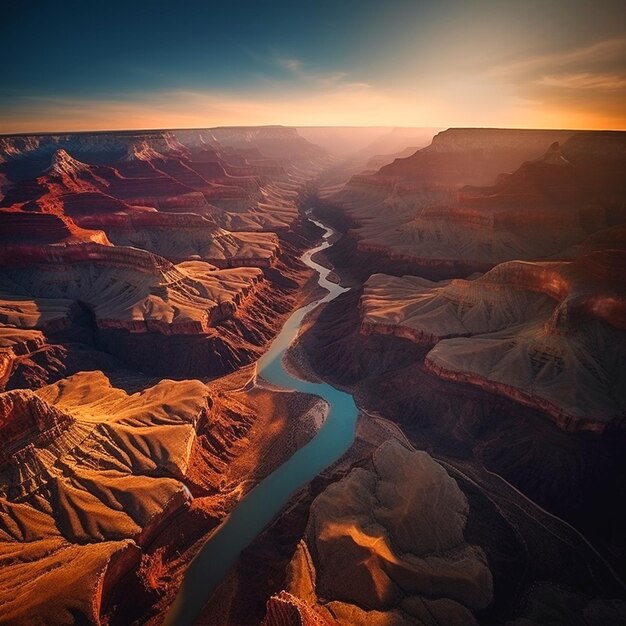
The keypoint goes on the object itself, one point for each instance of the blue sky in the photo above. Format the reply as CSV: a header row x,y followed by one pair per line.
x,y
77,65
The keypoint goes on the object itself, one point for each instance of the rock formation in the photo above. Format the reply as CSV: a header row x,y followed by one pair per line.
x,y
92,477
182,236
545,334
88,474
20,228
130,257
147,221
385,545
158,170
461,156
129,288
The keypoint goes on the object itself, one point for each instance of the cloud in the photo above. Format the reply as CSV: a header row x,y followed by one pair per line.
x,y
307,75
573,88
602,54
189,109
586,82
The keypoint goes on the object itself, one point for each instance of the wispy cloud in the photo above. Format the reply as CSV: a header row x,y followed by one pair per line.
x,y
577,88
197,109
584,80
308,75
602,54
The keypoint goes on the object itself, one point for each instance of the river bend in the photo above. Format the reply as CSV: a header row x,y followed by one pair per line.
x,y
261,505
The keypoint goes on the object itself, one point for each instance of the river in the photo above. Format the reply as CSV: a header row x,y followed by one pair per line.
x,y
261,505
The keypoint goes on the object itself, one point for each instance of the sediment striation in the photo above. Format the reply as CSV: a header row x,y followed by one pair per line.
x,y
126,243
102,490
182,236
130,288
174,254
143,308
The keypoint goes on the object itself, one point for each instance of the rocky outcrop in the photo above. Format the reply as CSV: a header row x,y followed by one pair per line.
x,y
113,143
461,156
189,319
542,334
97,203
380,160
600,158
203,178
28,357
26,418
276,141
66,167
271,141
31,581
89,474
571,474
285,609
186,319
66,175
426,312
20,340
86,501
385,545
24,228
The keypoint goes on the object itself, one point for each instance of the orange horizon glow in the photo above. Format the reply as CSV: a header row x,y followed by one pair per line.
x,y
364,107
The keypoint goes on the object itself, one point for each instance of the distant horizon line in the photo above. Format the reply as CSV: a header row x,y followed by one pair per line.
x,y
295,126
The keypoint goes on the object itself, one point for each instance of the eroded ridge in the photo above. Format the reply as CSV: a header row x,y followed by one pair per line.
x,y
89,474
385,545
549,335
130,288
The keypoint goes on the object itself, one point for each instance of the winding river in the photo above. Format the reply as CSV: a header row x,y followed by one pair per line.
x,y
259,507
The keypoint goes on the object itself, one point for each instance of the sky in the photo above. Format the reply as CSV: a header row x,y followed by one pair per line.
x,y
92,65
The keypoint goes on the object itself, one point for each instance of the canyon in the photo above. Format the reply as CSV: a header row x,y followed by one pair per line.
x,y
312,376
134,265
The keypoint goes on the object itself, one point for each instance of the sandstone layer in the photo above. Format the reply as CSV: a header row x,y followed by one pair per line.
x,y
146,221
88,474
575,475
128,288
176,253
183,236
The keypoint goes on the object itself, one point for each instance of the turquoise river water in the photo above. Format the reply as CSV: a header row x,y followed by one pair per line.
x,y
259,507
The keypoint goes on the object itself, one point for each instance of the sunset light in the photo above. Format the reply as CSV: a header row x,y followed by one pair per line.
x,y
313,314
